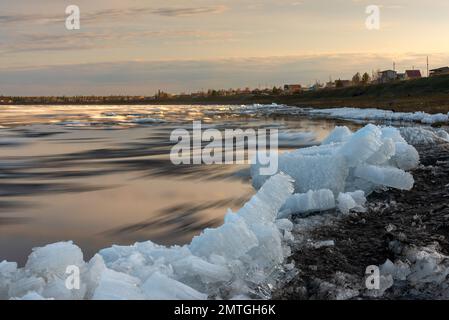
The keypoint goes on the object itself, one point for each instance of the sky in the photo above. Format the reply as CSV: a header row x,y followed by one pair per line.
x,y
137,47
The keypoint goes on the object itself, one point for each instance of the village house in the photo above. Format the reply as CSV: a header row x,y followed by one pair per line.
x,y
439,72
330,85
292,88
317,86
402,76
412,74
343,83
387,76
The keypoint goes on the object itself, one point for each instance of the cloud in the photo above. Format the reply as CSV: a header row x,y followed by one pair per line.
x,y
178,12
110,14
101,40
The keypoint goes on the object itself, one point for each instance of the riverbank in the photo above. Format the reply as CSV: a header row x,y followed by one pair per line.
x,y
429,95
408,228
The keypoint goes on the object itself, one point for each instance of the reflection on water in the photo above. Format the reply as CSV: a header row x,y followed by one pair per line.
x,y
101,175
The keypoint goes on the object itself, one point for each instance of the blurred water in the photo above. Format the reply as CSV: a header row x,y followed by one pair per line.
x,y
101,175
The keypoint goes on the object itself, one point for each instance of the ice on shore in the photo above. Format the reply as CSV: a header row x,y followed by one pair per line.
x,y
422,136
373,157
161,287
244,256
311,201
239,258
380,115
338,135
385,176
422,272
351,201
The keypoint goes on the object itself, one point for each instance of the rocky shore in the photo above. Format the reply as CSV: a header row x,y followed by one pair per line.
x,y
407,229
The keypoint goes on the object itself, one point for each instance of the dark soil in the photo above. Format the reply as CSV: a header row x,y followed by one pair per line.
x,y
418,217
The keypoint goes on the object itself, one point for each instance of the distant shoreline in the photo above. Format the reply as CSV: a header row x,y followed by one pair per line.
x,y
430,95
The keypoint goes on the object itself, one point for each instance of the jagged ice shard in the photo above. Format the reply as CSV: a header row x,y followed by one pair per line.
x,y
347,165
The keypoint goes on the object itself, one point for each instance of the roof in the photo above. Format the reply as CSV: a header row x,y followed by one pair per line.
x,y
440,69
413,73
387,71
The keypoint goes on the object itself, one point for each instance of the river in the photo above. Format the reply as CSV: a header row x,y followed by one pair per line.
x,y
101,175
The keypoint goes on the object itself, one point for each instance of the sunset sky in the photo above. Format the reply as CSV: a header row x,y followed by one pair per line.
x,y
140,46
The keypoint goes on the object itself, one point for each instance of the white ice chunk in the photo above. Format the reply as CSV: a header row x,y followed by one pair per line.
x,y
160,287
268,252
442,134
284,224
339,134
385,152
31,296
386,176
115,285
265,205
236,236
7,267
56,288
406,156
7,272
378,114
54,259
434,118
418,136
362,145
195,266
322,244
95,268
392,133
399,270
351,201
22,286
312,201
315,172
231,240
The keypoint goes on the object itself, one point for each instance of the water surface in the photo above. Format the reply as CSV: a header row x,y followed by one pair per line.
x,y
101,175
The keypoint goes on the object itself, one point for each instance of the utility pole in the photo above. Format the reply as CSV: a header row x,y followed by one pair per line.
x,y
394,66
427,66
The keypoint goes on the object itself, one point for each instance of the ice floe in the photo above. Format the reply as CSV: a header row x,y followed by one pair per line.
x,y
380,115
345,168
419,136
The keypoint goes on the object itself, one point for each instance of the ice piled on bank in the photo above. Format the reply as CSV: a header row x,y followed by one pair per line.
x,y
339,134
417,135
420,272
311,201
380,115
351,201
242,257
373,157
